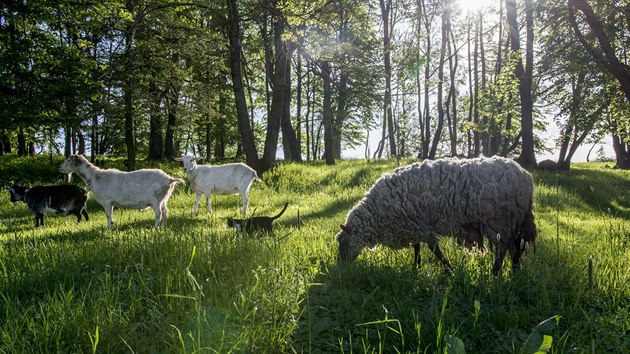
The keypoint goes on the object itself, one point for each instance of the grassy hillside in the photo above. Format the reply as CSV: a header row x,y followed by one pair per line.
x,y
195,286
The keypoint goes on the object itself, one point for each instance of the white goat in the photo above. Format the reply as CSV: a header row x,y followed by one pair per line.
x,y
223,180
136,190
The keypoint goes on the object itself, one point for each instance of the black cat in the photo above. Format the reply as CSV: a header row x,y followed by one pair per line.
x,y
255,224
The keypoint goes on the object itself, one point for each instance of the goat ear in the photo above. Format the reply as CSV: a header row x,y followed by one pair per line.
x,y
178,159
196,158
345,229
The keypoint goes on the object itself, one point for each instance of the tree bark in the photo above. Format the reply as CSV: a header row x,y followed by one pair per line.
x,y
527,158
244,127
386,6
170,150
156,152
282,58
327,118
440,88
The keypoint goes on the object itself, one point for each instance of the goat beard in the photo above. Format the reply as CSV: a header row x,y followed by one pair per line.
x,y
69,177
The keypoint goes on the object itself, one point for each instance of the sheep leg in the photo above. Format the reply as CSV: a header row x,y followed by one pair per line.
x,y
498,259
197,199
433,246
109,209
516,257
85,215
78,215
416,254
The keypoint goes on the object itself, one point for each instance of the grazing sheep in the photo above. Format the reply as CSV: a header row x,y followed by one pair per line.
x,y
65,199
136,190
419,202
226,179
548,165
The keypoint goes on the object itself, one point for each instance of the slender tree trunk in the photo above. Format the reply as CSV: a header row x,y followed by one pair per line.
x,y
67,149
208,138
452,96
327,118
527,157
288,134
471,103
6,142
298,113
156,152
279,95
128,88
386,7
341,113
440,88
170,150
244,127
476,134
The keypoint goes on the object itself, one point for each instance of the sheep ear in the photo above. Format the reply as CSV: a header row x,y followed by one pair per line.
x,y
345,229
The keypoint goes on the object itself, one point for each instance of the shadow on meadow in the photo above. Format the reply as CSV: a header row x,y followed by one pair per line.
x,y
376,302
597,190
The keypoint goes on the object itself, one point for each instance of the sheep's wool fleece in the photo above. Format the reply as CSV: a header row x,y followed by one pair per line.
x,y
423,200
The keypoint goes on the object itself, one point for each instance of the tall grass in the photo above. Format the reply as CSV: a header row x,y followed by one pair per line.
x,y
195,286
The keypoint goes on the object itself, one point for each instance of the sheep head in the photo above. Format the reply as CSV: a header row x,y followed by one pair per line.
x,y
348,250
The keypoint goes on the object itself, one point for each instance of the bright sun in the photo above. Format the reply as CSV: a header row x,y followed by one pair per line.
x,y
474,5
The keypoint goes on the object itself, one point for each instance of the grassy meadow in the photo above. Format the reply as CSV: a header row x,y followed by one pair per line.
x,y
194,286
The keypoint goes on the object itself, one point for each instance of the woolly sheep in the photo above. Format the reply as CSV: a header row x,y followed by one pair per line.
x,y
136,190
222,180
419,202
548,165
64,199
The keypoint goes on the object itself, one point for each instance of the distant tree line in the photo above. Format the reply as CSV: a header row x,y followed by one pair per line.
x,y
157,79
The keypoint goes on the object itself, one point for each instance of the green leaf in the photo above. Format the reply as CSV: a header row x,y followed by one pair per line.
x,y
454,345
540,340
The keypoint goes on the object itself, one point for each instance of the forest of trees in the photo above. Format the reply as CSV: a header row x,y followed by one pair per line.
x,y
229,79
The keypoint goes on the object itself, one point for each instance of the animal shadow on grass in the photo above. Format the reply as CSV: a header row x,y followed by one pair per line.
x,y
349,306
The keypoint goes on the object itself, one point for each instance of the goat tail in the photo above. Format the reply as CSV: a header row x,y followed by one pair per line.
x,y
256,177
177,181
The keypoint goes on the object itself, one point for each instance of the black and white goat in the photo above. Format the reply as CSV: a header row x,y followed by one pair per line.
x,y
64,199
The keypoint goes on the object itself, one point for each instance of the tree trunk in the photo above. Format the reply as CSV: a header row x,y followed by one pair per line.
x,y
288,134
341,113
208,137
244,127
440,88
156,151
6,143
386,6
170,150
606,55
67,149
527,157
128,88
282,57
327,118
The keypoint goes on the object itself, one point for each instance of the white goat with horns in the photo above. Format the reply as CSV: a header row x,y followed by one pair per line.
x,y
135,190
223,180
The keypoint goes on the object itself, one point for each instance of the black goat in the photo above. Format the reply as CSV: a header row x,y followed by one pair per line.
x,y
65,199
